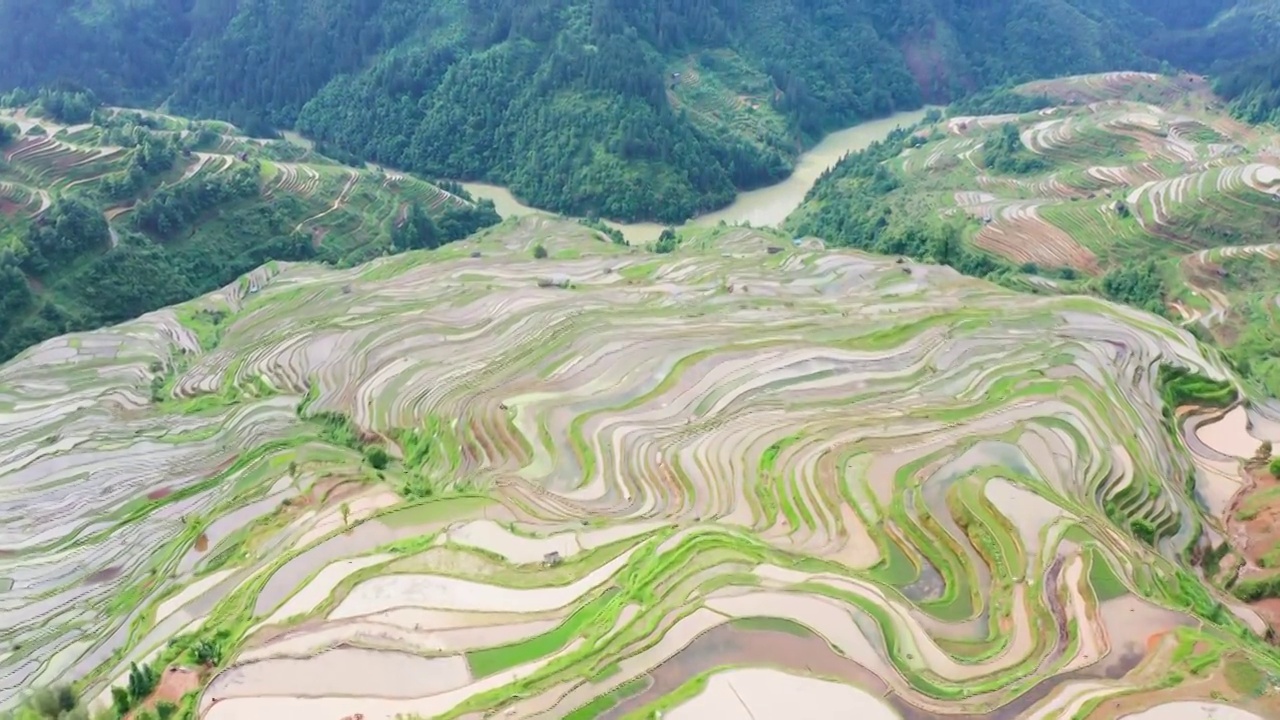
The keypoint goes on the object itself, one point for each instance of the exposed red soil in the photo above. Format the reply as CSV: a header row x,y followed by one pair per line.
x,y
9,208
202,543
1214,688
1035,241
175,682
926,63
1153,642
160,493
1268,610
104,575
1258,535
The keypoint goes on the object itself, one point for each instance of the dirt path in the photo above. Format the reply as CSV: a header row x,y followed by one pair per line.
x,y
337,203
110,215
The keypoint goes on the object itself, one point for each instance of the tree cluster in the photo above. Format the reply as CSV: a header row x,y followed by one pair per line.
x,y
1003,152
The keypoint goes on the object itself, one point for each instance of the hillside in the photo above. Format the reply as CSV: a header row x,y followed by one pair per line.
x,y
1137,187
631,110
474,481
126,212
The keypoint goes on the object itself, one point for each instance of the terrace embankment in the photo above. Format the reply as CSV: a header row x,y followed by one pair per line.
x,y
563,499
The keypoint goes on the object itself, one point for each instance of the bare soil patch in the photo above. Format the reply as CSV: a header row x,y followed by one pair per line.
x,y
104,575
1212,686
1024,238
174,684
1254,516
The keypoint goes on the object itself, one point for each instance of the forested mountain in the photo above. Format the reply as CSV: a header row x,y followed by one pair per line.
x,y
1253,88
623,108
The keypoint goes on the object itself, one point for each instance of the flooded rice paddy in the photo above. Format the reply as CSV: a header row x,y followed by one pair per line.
x,y
750,468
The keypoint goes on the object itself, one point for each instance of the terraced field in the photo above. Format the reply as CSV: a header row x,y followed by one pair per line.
x,y
55,160
189,206
1129,168
744,476
721,93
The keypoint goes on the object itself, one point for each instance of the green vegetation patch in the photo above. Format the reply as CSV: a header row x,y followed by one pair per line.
x,y
494,660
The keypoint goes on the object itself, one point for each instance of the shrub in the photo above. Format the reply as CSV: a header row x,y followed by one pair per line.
x,y
1180,386
539,252
667,241
377,457
1275,468
208,652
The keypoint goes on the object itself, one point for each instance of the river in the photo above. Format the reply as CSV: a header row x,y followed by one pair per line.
x,y
764,207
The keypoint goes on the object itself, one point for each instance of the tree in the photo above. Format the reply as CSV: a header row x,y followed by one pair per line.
x,y
345,510
1004,152
120,700
1275,468
667,241
71,228
539,252
208,652
1264,452
377,458
142,680
417,232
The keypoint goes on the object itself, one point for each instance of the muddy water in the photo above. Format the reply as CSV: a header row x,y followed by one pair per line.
x,y
730,645
345,672
1193,710
764,207
361,539
1230,436
224,526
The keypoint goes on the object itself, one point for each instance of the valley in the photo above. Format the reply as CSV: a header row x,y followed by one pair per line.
x,y
765,207
606,359
539,472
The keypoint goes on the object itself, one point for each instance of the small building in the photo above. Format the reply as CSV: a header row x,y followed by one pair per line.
x,y
552,559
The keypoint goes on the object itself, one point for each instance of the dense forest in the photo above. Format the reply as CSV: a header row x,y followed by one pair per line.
x,y
580,106
1253,89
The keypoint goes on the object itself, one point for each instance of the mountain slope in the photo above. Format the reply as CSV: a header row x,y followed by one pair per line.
x,y
1137,187
576,105
105,220
573,497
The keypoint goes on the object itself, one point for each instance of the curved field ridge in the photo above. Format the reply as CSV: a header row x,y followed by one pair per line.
x,y
757,692
1129,167
631,476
